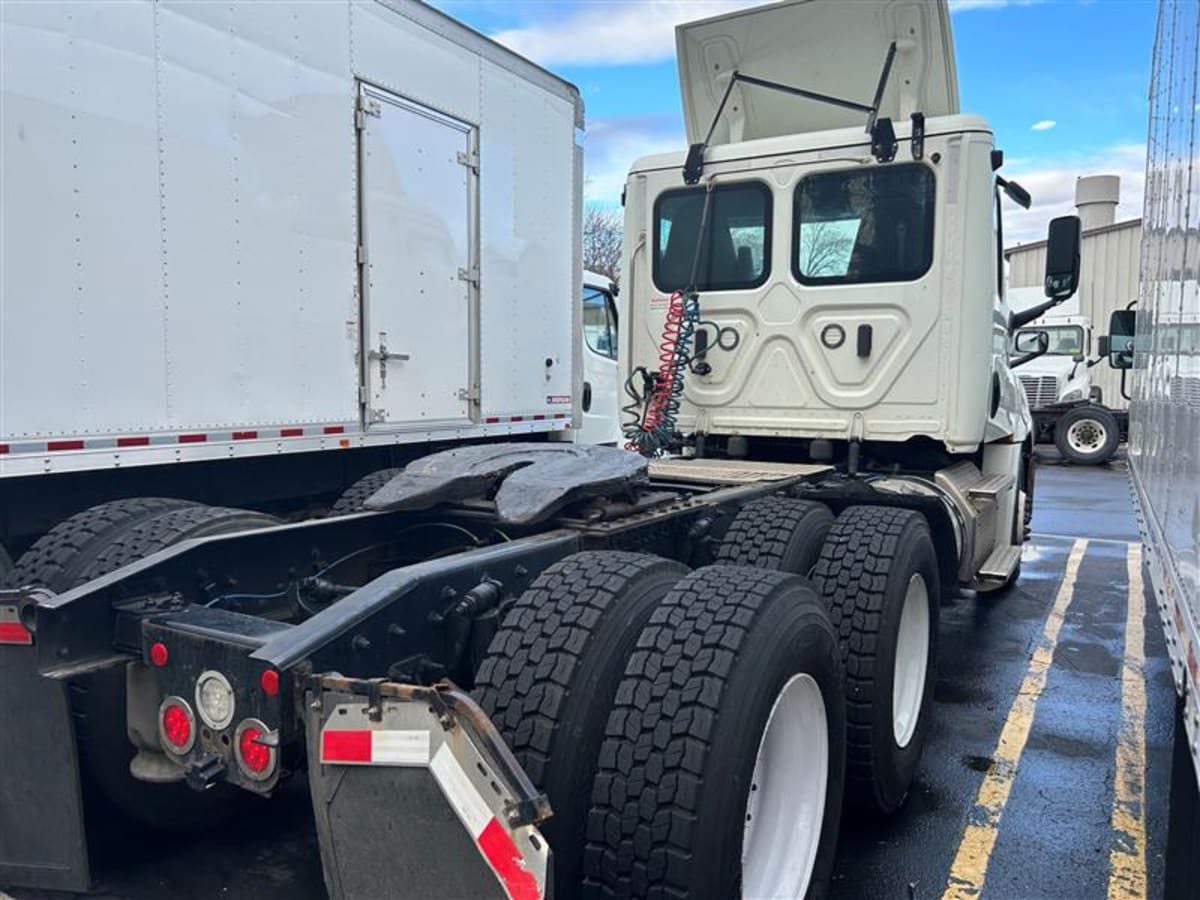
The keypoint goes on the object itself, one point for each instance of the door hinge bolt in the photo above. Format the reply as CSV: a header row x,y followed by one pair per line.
x,y
470,160
470,276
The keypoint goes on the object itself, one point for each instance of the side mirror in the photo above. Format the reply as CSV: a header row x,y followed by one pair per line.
x,y
1031,345
1122,328
1077,357
1102,345
1062,257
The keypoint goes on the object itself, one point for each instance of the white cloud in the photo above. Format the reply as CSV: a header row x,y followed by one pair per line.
x,y
1051,182
1043,125
613,145
612,34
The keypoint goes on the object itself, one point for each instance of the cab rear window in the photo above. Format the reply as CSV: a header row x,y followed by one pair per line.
x,y
736,251
864,225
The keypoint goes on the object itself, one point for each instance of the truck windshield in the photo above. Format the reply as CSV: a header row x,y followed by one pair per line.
x,y
1065,340
737,245
864,226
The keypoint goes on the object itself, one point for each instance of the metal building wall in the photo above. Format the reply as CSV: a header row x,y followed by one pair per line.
x,y
1108,280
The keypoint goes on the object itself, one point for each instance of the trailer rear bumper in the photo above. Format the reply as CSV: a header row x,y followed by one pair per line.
x,y
414,792
42,838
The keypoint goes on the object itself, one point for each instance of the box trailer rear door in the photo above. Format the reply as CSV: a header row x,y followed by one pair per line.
x,y
417,182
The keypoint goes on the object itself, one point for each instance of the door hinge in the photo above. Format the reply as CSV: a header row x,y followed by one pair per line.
x,y
469,393
471,276
362,394
361,254
470,160
367,106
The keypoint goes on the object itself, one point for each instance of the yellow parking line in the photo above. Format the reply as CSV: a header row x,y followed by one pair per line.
x,y
969,869
1127,861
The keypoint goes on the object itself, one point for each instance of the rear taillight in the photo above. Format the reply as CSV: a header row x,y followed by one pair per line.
x,y
256,757
176,725
12,629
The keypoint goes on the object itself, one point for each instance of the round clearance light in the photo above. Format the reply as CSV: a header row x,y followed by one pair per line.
x,y
176,725
214,699
269,682
255,757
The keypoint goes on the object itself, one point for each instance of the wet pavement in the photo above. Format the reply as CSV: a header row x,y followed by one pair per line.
x,y
1026,816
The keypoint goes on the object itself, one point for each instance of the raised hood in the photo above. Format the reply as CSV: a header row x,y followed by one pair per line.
x,y
834,47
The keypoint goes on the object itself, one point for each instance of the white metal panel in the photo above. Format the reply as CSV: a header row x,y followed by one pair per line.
x,y
416,207
832,47
257,160
80,324
180,224
529,278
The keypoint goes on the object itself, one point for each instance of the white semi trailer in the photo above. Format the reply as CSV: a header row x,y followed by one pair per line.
x,y
534,667
1159,344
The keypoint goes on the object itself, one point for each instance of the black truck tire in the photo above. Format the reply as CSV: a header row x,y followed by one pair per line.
x,y
56,558
551,672
1087,435
98,699
356,495
677,790
878,573
776,533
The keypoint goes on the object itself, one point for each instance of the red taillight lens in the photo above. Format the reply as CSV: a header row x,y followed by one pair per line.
x,y
270,682
158,654
256,756
176,725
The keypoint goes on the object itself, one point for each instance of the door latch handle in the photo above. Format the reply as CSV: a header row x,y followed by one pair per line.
x,y
383,355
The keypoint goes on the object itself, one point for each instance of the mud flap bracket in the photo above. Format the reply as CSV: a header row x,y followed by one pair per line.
x,y
415,794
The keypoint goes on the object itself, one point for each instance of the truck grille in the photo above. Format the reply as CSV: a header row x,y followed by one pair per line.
x,y
1040,390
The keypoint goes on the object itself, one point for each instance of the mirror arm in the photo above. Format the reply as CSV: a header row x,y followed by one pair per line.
x,y
1027,357
1025,316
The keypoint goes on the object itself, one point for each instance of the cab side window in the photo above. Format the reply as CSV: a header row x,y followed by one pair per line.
x,y
600,322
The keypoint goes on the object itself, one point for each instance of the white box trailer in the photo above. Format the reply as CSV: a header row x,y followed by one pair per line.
x,y
249,229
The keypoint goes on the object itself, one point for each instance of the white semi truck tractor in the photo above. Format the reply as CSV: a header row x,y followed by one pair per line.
x,y
514,667
1068,410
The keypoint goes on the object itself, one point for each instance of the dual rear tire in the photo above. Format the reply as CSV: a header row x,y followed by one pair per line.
x,y
687,728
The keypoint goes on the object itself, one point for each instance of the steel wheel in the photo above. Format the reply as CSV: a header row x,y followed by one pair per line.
x,y
1086,436
912,659
786,804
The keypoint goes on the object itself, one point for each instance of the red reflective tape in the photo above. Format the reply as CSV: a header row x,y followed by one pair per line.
x,y
64,445
133,442
345,746
14,633
245,435
291,432
193,438
334,429
504,857
539,417
491,420
3,448
560,415
518,419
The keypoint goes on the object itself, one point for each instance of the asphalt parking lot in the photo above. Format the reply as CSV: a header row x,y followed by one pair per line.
x,y
1029,785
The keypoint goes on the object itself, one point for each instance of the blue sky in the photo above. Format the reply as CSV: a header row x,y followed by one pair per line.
x,y
1080,68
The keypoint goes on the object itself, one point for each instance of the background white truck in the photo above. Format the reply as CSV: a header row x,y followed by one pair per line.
x,y
1068,409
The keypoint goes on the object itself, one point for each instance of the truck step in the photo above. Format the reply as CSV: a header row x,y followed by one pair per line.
x,y
991,487
1001,564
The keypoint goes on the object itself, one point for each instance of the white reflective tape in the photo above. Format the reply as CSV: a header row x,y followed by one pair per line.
x,y
400,748
471,808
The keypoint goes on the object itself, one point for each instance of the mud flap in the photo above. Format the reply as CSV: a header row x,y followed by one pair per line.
x,y
42,840
415,795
